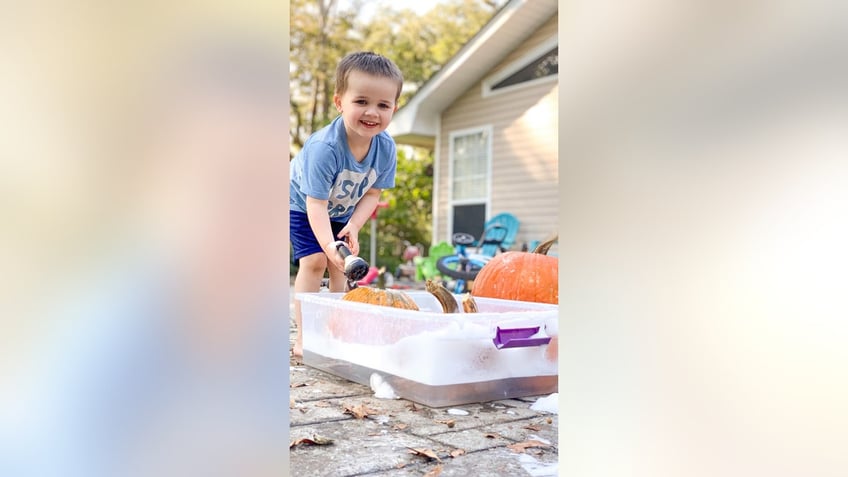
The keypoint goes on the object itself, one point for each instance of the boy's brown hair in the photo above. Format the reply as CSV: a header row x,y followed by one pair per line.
x,y
367,62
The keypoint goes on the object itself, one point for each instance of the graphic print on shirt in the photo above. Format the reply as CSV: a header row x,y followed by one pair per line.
x,y
349,187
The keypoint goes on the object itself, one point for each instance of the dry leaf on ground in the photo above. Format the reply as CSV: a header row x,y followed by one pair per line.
x,y
400,426
315,441
360,412
492,435
457,452
448,422
428,453
321,404
435,472
521,446
532,427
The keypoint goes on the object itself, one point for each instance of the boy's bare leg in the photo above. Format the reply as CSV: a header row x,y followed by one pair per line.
x,y
337,280
309,274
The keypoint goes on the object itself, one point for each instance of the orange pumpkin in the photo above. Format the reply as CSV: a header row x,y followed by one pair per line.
x,y
521,276
376,296
359,326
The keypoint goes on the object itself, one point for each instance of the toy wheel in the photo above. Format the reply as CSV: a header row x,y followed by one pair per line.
x,y
454,268
462,238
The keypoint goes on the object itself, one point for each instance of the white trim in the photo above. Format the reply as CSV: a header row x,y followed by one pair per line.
x,y
487,201
489,170
487,92
448,211
469,201
437,155
516,65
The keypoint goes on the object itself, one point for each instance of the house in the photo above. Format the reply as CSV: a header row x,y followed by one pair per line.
x,y
490,116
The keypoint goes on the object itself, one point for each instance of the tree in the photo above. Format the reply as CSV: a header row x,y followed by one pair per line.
x,y
320,36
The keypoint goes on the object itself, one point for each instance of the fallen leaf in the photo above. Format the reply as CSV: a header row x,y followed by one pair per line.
x,y
428,453
521,446
457,452
492,435
401,465
532,427
400,426
297,385
321,404
433,473
292,403
315,441
360,412
412,407
449,422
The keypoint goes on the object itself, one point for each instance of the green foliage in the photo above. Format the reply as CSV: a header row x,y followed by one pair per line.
x,y
409,215
319,38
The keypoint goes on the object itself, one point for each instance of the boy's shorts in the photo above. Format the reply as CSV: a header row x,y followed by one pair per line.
x,y
303,240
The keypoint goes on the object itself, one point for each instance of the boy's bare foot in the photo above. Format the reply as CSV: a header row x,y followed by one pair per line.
x,y
297,350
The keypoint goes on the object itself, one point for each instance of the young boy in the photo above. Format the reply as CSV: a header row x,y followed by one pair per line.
x,y
337,177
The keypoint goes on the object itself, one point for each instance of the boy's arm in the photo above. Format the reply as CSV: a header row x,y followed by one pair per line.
x,y
319,220
361,213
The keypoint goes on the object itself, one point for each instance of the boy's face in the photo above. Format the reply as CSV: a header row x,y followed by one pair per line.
x,y
367,105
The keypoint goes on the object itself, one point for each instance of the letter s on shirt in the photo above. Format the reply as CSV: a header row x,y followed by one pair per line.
x,y
348,189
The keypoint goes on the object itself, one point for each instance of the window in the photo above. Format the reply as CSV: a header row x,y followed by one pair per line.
x,y
470,158
469,219
545,65
538,65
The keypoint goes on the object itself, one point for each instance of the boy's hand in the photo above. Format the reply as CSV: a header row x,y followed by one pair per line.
x,y
333,257
351,232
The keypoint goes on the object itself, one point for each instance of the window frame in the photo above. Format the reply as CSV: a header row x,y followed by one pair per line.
x,y
488,130
517,65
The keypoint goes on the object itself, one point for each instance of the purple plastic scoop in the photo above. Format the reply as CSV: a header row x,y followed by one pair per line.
x,y
518,338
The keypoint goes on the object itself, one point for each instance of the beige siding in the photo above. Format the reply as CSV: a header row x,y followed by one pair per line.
x,y
524,149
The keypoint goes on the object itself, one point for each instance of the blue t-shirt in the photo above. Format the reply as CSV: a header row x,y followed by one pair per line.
x,y
325,169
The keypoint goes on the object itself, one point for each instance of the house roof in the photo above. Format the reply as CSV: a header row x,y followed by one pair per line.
x,y
416,123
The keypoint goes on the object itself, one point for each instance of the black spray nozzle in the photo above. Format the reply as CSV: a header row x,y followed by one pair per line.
x,y
355,267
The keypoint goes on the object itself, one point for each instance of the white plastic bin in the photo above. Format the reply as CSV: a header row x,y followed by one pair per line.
x,y
430,357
